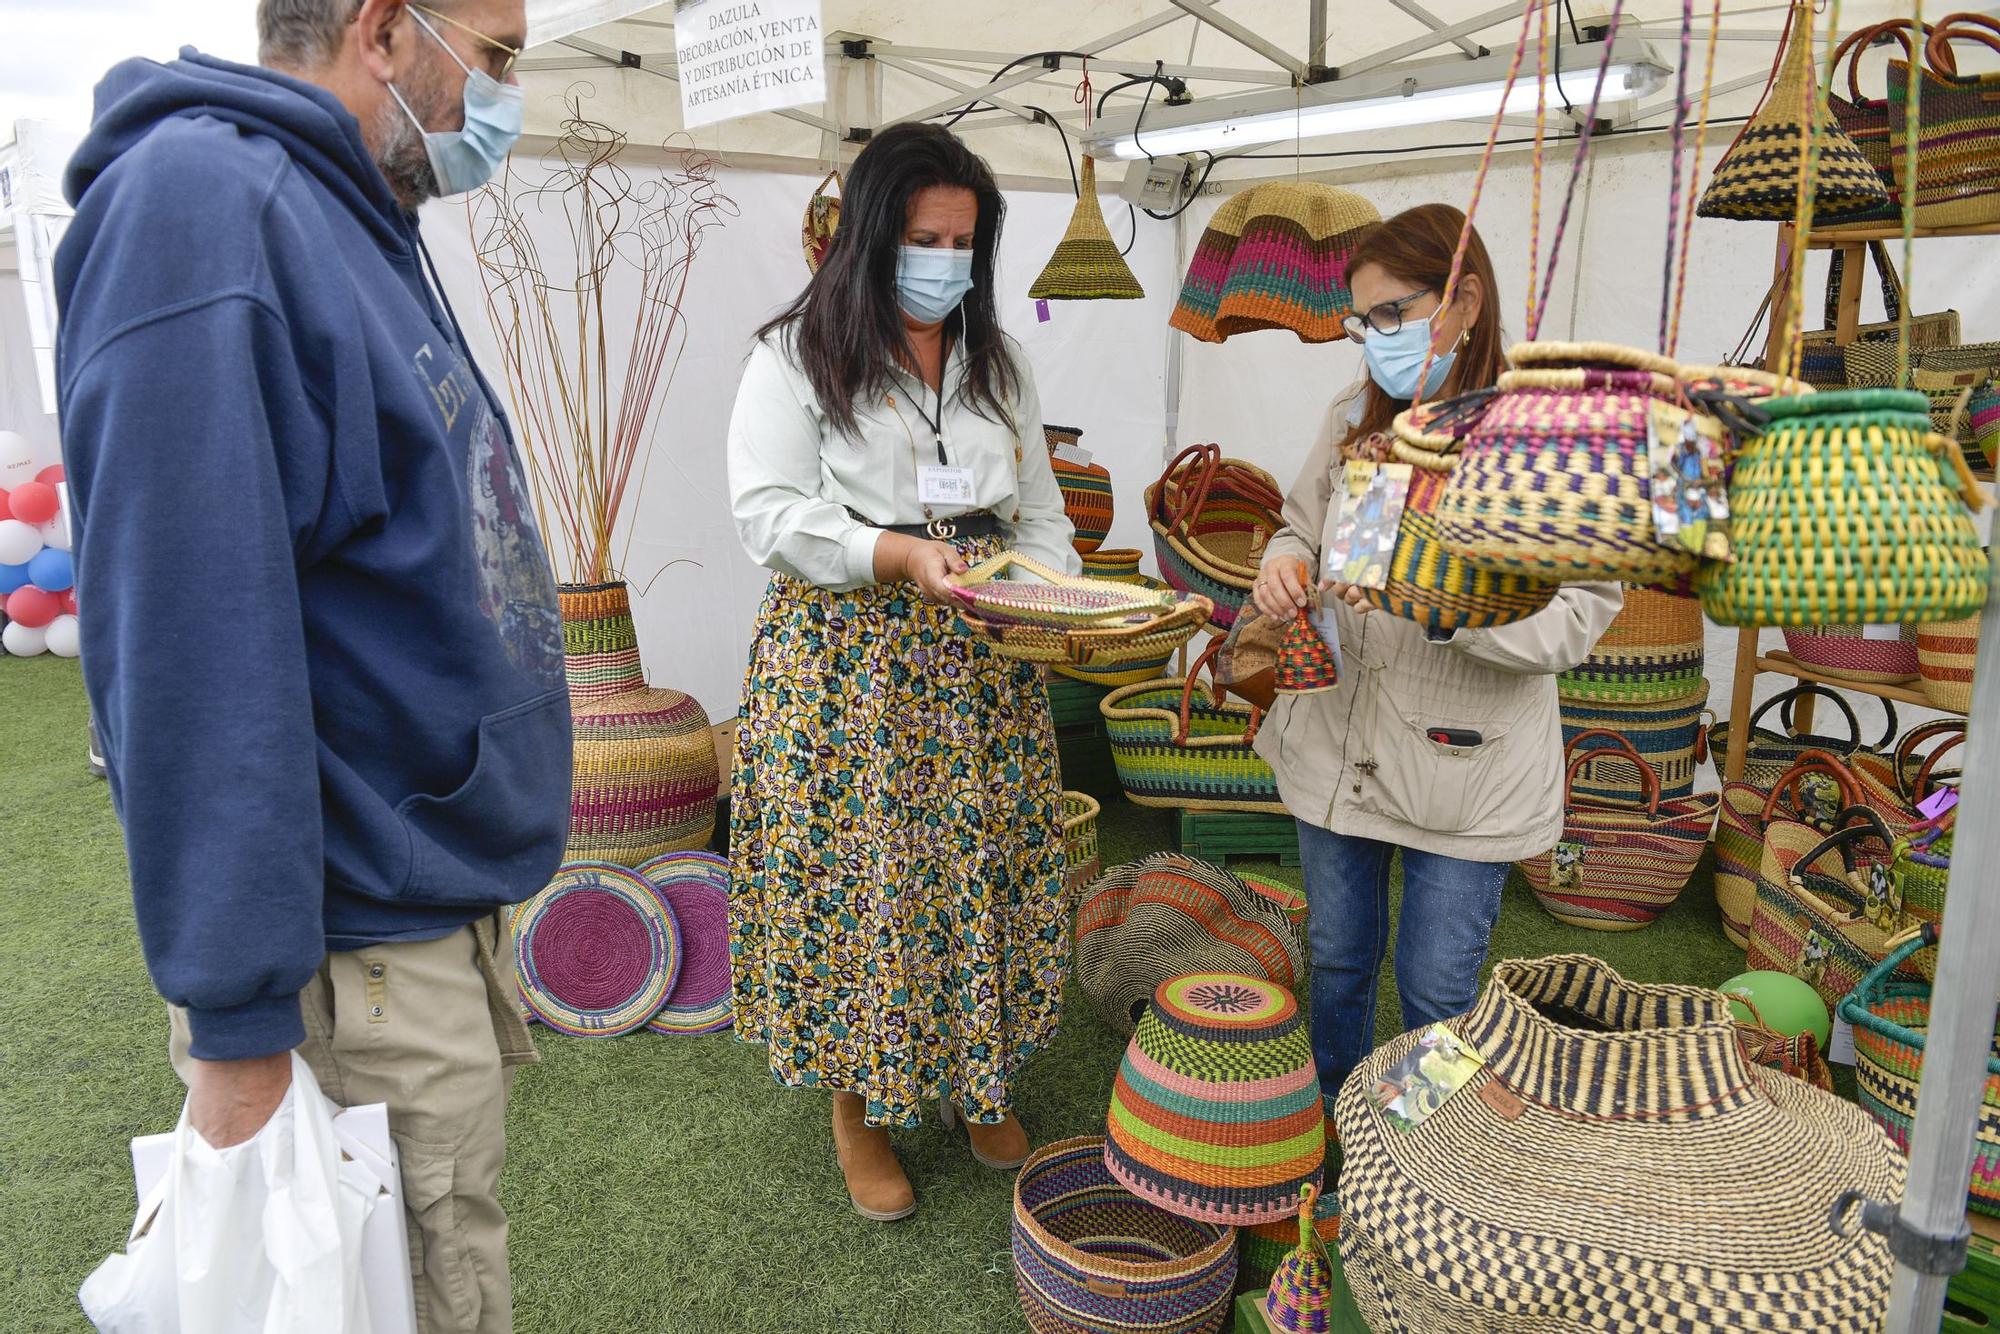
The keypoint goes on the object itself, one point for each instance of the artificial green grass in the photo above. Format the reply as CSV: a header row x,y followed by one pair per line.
x,y
654,1183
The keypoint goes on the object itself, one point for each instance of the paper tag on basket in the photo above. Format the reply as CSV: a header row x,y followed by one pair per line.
x,y
1690,492
1441,1064
1364,539
1937,803
1888,633
1840,1050
1070,453
938,485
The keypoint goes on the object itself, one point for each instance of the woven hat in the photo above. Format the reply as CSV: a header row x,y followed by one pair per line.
x,y
1216,1114
1300,1297
1087,265
1147,921
1275,257
1616,1166
1757,180
1305,661
598,951
695,887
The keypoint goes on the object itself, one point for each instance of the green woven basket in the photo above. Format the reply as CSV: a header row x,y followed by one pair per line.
x,y
1176,745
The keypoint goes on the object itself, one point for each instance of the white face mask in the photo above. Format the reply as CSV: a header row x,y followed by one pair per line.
x,y
466,159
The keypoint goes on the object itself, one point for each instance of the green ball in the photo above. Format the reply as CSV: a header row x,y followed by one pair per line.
x,y
1787,1004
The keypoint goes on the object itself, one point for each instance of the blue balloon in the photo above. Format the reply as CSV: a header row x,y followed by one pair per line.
x,y
12,577
51,570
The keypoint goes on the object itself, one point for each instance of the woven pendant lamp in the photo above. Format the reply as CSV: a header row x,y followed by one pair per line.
x,y
1757,179
1087,265
1275,257
1216,1114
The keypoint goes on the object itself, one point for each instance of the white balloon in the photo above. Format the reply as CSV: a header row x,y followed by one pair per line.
x,y
63,636
18,542
17,461
24,641
52,534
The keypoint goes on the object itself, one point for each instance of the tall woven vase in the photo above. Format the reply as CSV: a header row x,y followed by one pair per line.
x,y
646,773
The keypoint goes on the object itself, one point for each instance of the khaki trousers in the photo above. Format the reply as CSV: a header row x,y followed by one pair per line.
x,y
433,1029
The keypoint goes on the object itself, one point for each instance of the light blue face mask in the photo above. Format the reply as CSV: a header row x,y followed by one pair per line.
x,y
1395,360
466,159
931,281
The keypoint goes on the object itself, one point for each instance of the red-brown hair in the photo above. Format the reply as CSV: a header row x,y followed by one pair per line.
x,y
1416,246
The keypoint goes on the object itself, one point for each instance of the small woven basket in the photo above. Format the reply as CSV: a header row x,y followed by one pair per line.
x,y
1079,826
1262,1247
1086,493
1668,734
1090,1257
1654,650
1211,519
1945,654
1118,564
1086,265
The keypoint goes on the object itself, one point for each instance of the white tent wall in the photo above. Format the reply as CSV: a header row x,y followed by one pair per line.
x,y
20,389
1098,365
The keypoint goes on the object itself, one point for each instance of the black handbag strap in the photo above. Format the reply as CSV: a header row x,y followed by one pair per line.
x,y
1892,283
1785,699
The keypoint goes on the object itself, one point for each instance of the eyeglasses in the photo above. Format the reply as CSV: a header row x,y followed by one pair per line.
x,y
1385,319
513,52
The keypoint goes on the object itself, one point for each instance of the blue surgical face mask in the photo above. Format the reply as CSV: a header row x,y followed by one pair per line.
x,y
466,159
1395,360
931,280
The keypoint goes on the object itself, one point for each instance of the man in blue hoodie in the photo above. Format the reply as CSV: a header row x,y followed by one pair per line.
x,y
321,643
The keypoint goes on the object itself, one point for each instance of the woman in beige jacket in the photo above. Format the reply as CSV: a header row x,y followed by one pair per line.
x,y
1447,747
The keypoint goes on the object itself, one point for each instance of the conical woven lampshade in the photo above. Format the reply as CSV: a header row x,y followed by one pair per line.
x,y
1087,265
1757,179
1305,662
1275,257
1216,1114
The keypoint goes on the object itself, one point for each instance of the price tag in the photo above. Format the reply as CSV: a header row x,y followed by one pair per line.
x,y
938,485
1840,1050
1937,803
1076,454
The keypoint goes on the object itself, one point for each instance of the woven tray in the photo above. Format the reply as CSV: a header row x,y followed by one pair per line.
x,y
1052,600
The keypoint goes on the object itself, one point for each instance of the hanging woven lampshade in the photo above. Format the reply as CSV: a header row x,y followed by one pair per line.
x,y
1275,257
1757,180
1216,1114
1087,265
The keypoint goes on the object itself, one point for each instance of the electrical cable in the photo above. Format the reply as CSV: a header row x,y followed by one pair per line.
x,y
1131,217
1574,34
1075,182
1015,63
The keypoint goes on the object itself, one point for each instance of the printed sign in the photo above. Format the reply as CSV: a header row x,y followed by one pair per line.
x,y
741,56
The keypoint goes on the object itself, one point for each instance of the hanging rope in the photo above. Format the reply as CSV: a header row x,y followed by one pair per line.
x,y
1678,147
1576,167
1537,158
1694,180
1792,345
1909,199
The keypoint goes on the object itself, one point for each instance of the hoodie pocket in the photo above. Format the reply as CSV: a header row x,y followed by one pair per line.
x,y
498,837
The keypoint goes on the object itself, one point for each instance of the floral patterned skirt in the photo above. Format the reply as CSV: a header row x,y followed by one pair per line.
x,y
898,923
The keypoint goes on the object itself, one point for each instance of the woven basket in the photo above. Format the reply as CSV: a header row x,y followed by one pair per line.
x,y
1812,791
1757,180
1145,661
1769,754
1958,134
1086,493
1216,1113
1668,734
1118,564
600,643
1092,1258
1851,654
1865,120
1262,1247
597,951
1945,654
1616,1166
1555,481
1176,745
1891,1019
695,888
1211,519
1795,1054
645,777
1079,826
1086,265
821,221
1275,257
1654,650
1170,914
1829,362
1848,509
1427,582
1619,865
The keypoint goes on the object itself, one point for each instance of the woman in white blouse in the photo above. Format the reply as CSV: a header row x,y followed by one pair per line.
x,y
899,927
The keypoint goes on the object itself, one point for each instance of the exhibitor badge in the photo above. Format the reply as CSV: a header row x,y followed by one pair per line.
x,y
737,57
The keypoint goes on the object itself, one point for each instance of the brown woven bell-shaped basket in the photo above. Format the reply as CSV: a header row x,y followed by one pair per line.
x,y
1087,265
1757,180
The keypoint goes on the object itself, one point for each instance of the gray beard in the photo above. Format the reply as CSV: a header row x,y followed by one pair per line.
x,y
401,156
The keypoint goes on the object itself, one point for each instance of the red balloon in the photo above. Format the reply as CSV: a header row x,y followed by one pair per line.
x,y
68,596
32,607
5,511
50,475
33,502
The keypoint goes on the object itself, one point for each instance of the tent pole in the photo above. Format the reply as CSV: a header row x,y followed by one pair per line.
x,y
1315,40
1960,1035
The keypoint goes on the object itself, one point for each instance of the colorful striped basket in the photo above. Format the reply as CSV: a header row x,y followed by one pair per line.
x,y
1875,655
1849,508
1086,492
1275,257
1891,1017
1125,670
1118,564
1216,1114
1300,1298
1654,650
1262,1247
1211,519
1865,120
1170,914
1079,825
598,951
600,643
1086,265
1813,791
1958,133
1619,865
1092,1258
695,888
1177,744
1768,754
1946,651
1669,734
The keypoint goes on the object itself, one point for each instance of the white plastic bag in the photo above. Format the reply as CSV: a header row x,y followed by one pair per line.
x,y
263,1237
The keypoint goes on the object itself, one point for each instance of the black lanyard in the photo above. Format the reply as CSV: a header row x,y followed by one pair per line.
x,y
937,423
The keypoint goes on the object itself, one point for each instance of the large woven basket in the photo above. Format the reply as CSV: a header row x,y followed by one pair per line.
x,y
1086,492
1669,734
1176,745
1086,265
1945,654
1654,650
1958,136
1616,1165
1848,509
1812,791
1275,257
1211,519
1768,753
1090,1257
1216,1113
1865,120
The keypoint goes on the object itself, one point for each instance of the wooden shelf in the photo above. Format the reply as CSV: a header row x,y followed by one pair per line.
x,y
1827,238
1785,664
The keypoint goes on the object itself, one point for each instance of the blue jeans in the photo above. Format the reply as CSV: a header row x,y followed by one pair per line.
x,y
1449,906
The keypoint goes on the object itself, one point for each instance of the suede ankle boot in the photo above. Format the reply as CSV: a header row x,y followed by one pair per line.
x,y
875,1181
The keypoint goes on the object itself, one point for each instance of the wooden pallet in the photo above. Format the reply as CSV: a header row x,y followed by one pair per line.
x,y
1972,1302
1217,836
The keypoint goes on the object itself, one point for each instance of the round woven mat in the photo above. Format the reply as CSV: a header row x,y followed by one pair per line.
x,y
695,885
599,951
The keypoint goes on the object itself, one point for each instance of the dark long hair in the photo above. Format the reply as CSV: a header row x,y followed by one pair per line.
x,y
1416,246
846,326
